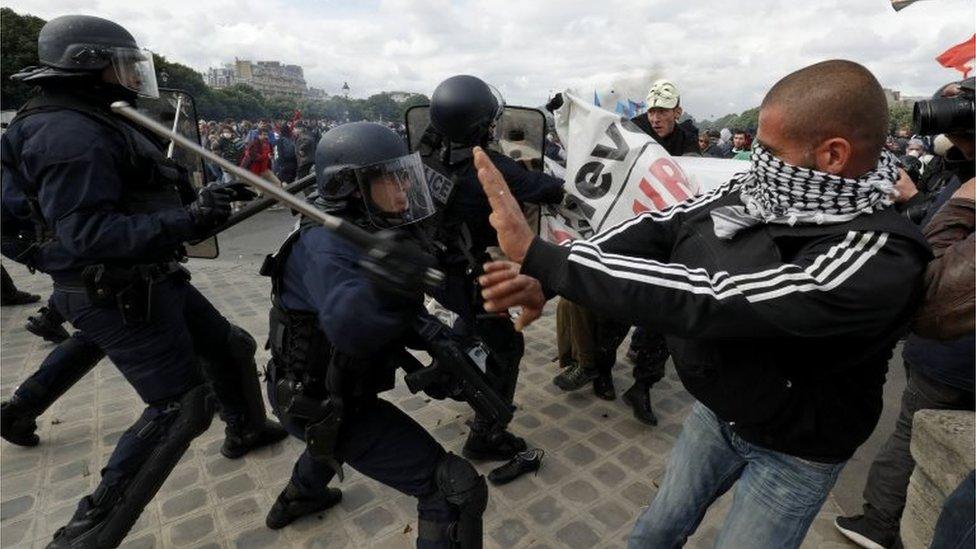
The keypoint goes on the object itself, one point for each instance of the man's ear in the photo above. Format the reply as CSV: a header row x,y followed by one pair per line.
x,y
833,156
677,112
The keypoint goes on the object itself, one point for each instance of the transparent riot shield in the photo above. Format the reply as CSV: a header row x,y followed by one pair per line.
x,y
521,133
177,110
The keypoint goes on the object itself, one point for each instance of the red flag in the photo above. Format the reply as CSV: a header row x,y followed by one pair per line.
x,y
960,57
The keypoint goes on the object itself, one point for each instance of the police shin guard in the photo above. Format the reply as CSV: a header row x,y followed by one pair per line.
x,y
234,380
104,518
461,485
61,370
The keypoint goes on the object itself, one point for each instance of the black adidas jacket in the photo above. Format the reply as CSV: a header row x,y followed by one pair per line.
x,y
784,332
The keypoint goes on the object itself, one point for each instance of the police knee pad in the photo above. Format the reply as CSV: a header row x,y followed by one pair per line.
x,y
464,488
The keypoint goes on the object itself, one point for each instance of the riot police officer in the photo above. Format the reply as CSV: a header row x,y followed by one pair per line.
x,y
464,112
109,220
336,339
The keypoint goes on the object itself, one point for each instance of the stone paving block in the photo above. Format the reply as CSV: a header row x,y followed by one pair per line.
x,y
190,530
15,532
257,538
509,532
329,539
183,504
356,496
234,486
639,493
219,466
609,474
579,491
577,534
243,511
545,511
375,522
579,454
517,490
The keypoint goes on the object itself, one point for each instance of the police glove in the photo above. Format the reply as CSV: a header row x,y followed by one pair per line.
x,y
399,268
212,206
240,192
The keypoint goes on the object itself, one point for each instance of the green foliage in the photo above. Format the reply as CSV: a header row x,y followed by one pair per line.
x,y
899,117
18,49
748,120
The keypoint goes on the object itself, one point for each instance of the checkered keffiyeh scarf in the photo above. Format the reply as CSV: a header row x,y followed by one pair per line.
x,y
773,191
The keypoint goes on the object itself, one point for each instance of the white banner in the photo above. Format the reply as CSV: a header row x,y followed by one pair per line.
x,y
615,171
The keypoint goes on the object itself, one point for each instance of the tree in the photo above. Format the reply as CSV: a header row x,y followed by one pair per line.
x,y
18,49
899,116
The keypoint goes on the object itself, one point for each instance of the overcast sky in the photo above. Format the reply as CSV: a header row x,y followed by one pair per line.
x,y
722,55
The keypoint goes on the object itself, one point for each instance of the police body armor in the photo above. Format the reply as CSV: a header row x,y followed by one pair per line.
x,y
307,383
155,183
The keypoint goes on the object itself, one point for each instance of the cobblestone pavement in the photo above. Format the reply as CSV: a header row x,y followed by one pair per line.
x,y
601,465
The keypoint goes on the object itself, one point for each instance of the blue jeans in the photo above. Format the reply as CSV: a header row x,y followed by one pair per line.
x,y
776,499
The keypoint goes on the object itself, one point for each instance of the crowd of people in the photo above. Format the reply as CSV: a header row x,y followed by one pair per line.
x,y
279,150
779,297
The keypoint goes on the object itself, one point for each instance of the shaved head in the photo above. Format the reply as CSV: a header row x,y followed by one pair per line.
x,y
835,98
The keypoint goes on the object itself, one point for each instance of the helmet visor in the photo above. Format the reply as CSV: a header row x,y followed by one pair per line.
x,y
135,71
395,191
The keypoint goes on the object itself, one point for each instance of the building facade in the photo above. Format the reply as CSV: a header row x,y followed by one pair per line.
x,y
271,78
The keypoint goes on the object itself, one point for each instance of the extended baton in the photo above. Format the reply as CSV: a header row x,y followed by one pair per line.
x,y
257,206
372,244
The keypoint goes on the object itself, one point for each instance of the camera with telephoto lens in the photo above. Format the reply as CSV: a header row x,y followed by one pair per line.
x,y
947,114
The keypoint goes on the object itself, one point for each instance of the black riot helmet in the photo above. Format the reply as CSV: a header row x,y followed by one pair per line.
x,y
370,160
84,45
464,109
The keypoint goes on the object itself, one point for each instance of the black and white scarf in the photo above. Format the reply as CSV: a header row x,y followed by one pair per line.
x,y
773,191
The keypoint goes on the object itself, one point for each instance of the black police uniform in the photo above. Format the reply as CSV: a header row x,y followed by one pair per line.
x,y
465,105
335,341
109,222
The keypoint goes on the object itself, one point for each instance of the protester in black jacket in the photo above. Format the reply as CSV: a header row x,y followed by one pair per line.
x,y
781,316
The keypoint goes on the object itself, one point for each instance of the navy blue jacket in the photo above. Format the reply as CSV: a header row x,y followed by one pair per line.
x,y
471,206
77,164
322,275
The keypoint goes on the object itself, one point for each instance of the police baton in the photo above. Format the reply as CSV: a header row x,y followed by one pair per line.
x,y
257,206
389,259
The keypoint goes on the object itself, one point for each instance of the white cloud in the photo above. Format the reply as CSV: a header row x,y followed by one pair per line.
x,y
722,55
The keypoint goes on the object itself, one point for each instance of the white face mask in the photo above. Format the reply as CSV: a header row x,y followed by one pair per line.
x,y
915,152
226,135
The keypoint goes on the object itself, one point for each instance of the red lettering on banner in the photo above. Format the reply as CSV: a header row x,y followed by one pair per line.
x,y
655,197
671,176
638,208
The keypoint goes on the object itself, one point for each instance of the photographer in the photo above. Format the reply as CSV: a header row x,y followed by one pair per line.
x,y
939,354
781,315
949,112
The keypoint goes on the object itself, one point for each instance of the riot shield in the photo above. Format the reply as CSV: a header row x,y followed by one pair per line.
x,y
177,110
521,133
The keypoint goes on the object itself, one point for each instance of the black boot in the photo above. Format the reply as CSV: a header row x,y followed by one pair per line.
x,y
17,424
238,441
86,524
293,504
489,443
639,398
46,324
603,387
